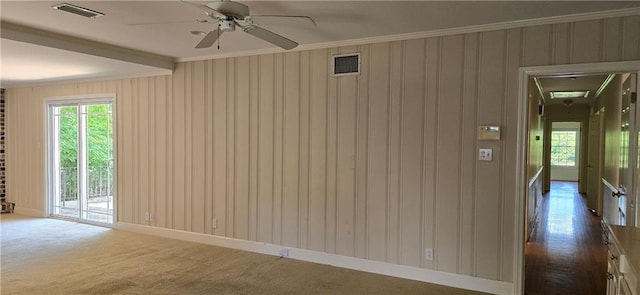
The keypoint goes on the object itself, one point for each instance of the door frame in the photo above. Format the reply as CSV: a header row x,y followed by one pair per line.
x,y
599,155
48,129
580,149
525,73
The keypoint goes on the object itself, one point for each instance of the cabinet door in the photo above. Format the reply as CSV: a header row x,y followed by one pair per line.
x,y
612,279
624,287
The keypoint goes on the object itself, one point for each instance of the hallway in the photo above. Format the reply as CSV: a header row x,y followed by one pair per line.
x,y
565,254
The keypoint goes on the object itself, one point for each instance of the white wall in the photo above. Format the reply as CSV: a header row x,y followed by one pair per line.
x,y
378,166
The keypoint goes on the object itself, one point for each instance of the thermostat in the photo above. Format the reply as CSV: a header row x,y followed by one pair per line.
x,y
489,133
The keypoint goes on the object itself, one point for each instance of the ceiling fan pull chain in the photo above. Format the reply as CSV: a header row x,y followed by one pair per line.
x,y
218,36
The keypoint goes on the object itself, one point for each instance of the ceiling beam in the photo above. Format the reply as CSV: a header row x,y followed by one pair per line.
x,y
25,34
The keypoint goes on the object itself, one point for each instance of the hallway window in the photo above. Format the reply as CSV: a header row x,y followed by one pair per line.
x,y
563,148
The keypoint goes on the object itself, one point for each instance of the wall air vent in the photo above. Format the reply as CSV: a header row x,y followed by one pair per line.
x,y
86,12
346,64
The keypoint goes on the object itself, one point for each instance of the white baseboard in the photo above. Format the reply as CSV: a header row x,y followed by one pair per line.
x,y
29,212
377,267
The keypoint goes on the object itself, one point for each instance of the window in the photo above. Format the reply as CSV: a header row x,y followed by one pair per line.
x,y
563,148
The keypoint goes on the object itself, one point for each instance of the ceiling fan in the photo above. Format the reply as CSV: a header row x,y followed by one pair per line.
x,y
229,14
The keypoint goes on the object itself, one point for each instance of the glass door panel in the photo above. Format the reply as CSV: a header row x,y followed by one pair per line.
x,y
99,159
65,121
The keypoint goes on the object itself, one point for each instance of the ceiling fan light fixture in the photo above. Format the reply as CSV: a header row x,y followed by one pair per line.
x,y
227,25
229,14
77,10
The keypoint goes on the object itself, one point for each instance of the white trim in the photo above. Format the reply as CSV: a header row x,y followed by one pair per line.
x,y
383,268
47,155
520,213
603,86
29,212
434,33
114,142
525,73
539,86
610,186
80,98
535,177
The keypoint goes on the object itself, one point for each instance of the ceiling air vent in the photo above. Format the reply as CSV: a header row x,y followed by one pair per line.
x,y
346,64
86,12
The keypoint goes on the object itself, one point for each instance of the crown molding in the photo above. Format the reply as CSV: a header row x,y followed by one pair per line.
x,y
435,33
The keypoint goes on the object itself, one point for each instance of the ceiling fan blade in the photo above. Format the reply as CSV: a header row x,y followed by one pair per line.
x,y
257,18
198,21
209,39
270,37
210,11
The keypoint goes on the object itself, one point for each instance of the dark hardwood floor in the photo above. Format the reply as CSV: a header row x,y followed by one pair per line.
x,y
565,254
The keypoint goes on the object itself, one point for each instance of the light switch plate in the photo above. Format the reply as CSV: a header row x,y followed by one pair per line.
x,y
485,155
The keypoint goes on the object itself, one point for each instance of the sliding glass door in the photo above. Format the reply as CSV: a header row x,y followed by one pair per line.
x,y
81,171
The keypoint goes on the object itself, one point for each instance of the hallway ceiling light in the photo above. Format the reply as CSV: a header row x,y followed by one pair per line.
x,y
568,94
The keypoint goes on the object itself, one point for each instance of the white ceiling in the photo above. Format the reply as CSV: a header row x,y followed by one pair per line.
x,y
589,83
23,62
338,22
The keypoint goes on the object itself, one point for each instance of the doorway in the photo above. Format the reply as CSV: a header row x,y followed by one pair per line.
x,y
523,140
595,161
565,151
81,160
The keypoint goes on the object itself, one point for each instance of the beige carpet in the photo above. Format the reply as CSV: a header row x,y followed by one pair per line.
x,y
48,256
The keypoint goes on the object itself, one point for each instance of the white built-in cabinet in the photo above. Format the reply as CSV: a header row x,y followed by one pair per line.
x,y
623,252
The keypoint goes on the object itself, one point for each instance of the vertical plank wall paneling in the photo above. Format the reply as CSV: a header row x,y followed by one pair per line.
x,y
513,60
318,110
219,149
347,93
278,126
467,159
491,73
142,157
587,35
394,141
612,32
377,157
265,146
198,156
177,197
430,127
631,38
411,141
380,166
448,164
362,150
253,156
291,149
331,172
561,42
